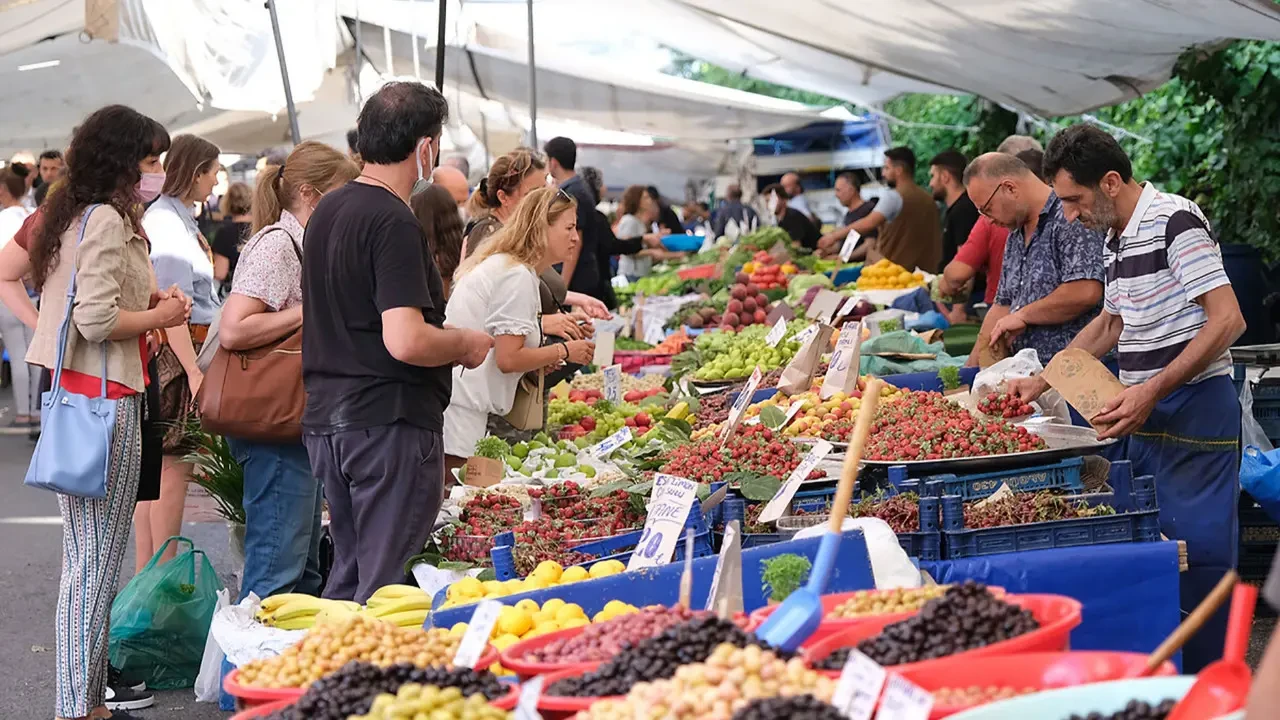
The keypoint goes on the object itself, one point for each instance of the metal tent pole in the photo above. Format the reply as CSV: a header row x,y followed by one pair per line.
x,y
359,55
417,69
284,74
533,84
440,45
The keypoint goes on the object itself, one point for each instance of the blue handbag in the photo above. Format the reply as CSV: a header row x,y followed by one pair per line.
x,y
73,454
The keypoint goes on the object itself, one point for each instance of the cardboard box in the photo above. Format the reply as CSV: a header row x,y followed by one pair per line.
x,y
1084,382
483,472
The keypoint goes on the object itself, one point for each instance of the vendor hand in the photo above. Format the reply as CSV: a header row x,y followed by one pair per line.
x,y
653,240
1127,412
1010,325
1027,389
593,307
562,325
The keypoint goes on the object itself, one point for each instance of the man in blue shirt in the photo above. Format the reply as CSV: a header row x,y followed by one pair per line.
x,y
1051,280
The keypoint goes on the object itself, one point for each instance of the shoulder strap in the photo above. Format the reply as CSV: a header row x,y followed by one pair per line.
x,y
64,330
297,249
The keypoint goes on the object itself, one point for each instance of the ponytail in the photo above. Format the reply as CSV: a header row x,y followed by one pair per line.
x,y
478,204
267,203
311,165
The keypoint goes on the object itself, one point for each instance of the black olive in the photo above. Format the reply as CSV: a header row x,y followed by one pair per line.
x,y
797,707
351,690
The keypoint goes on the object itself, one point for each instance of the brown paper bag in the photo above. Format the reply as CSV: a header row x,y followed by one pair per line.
x,y
846,362
798,376
483,472
1084,382
987,355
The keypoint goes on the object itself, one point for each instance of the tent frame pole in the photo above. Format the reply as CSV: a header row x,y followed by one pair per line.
x,y
440,45
533,83
284,74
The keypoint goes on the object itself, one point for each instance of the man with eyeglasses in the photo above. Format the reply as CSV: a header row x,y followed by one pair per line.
x,y
1051,278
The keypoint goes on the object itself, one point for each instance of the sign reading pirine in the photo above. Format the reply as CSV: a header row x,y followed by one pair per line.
x,y
670,500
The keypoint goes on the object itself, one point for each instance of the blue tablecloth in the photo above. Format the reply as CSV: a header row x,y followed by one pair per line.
x,y
1129,590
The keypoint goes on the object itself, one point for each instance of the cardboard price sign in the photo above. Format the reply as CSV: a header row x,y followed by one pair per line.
x,y
483,472
725,597
670,500
604,348
740,405
824,306
613,383
530,693
782,499
481,625
1084,382
605,447
776,333
850,244
858,689
842,373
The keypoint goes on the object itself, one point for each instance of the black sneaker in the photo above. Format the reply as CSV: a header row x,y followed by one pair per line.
x,y
120,678
124,698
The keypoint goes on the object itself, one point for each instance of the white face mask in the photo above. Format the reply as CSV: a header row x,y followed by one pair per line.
x,y
423,181
773,202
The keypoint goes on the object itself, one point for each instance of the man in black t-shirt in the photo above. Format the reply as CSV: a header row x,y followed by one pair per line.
x,y
797,224
376,357
581,273
946,171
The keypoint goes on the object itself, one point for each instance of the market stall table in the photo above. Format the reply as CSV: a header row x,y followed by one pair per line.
x,y
1129,590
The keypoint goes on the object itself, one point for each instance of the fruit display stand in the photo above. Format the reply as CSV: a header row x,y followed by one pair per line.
x,y
661,585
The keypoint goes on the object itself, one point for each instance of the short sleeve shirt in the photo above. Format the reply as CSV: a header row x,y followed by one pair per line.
x,y
365,255
1059,252
984,250
269,269
860,212
889,205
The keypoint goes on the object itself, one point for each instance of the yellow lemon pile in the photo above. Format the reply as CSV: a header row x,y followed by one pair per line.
x,y
548,574
886,275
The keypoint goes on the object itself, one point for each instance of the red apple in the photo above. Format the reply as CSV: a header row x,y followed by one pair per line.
x,y
588,423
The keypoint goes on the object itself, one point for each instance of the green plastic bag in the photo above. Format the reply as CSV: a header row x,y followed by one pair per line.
x,y
160,620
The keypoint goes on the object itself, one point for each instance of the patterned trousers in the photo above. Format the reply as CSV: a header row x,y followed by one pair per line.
x,y
95,535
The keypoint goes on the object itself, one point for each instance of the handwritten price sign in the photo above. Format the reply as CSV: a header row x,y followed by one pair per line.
x,y
613,383
740,405
842,373
670,500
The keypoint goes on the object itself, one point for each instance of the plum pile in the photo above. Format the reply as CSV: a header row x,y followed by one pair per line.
x,y
602,641
351,690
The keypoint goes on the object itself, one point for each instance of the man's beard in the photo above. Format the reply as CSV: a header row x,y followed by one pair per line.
x,y
940,194
1103,217
891,183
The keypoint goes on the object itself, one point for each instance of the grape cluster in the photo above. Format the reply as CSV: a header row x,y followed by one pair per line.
x,y
795,707
351,690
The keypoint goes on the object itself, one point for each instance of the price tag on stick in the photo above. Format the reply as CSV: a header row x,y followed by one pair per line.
x,y
850,244
904,700
776,333
477,636
842,372
605,447
782,499
670,500
613,383
530,693
740,405
858,688
725,597
604,348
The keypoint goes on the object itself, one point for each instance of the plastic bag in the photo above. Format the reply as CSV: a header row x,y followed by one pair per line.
x,y
209,681
1260,477
160,620
1251,432
1025,364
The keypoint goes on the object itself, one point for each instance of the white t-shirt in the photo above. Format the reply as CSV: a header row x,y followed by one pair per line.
x,y
11,219
632,266
500,297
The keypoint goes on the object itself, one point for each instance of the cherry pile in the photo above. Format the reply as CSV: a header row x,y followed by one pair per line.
x,y
927,426
712,410
901,512
751,448
489,513
1004,405
552,539
967,617
1135,710
1024,508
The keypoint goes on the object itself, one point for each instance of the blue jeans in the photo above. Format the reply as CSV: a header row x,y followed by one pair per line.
x,y
282,503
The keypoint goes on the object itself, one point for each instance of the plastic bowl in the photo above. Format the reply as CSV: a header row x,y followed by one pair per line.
x,y
512,657
830,626
510,700
1042,671
1104,697
554,707
261,711
1057,615
683,243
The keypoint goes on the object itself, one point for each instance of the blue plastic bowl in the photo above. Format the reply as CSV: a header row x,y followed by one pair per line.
x,y
1104,697
682,243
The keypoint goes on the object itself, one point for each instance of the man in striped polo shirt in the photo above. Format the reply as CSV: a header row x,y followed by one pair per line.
x,y
1171,314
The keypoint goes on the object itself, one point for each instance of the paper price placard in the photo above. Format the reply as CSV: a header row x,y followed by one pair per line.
x,y
611,443
726,546
604,348
824,305
740,405
842,373
527,705
803,336
848,306
782,499
670,500
613,383
904,700
776,333
477,636
858,688
850,244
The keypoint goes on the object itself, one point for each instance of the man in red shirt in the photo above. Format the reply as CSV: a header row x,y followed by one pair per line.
x,y
984,250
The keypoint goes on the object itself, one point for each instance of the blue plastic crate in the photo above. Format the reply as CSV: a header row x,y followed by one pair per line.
x,y
750,540
1267,413
1063,475
1268,389
1137,520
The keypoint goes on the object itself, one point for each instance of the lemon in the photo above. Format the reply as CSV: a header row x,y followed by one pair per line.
x,y
544,628
574,622
514,621
543,615
528,605
504,641
513,586
458,630
552,605
467,587
491,586
575,574
617,606
536,582
599,617
549,570
497,669
569,612
606,568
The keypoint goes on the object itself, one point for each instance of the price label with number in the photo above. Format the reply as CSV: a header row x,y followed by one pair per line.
x,y
613,383
842,372
740,405
904,700
605,447
782,499
858,688
670,500
527,705
776,333
848,306
477,636
803,336
850,244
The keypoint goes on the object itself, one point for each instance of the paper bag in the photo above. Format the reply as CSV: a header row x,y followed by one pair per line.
x,y
846,362
779,253
798,376
1085,383
987,355
483,472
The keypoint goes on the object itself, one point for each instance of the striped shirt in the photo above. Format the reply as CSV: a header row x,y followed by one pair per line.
x,y
1165,259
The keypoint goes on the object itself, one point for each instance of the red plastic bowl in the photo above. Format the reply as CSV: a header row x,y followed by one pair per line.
x,y
513,657
556,707
1039,670
261,711
510,700
830,626
1058,616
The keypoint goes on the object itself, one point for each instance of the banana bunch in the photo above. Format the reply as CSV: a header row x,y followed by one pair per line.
x,y
295,611
402,605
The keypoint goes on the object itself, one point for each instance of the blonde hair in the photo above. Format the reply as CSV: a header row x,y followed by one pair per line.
x,y
524,236
506,174
237,201
311,163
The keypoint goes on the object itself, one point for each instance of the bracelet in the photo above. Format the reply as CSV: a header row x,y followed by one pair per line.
x,y
566,350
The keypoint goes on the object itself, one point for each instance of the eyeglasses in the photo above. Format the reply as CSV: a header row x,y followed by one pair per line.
x,y
563,194
983,210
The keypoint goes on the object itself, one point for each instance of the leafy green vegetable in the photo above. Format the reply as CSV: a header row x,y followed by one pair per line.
x,y
492,447
888,326
800,284
950,377
631,344
760,488
784,574
610,488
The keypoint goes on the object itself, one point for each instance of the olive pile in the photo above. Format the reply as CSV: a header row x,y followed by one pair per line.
x,y
427,701
1135,710
795,707
975,695
657,658
731,679
967,617
885,602
351,690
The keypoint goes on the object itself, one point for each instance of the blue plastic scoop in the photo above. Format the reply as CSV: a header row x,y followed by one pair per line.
x,y
801,613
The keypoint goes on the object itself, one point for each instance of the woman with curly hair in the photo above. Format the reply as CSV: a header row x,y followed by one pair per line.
x,y
113,165
442,227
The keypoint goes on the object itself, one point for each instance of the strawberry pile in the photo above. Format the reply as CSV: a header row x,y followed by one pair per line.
x,y
1005,405
568,501
489,514
553,539
927,426
752,448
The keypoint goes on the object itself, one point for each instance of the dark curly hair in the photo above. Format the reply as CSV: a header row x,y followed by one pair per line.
x,y
102,167
441,226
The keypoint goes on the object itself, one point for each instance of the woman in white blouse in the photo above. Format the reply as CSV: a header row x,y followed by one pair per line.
x,y
496,291
15,334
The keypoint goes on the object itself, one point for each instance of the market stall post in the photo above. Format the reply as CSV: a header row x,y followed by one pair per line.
x,y
294,132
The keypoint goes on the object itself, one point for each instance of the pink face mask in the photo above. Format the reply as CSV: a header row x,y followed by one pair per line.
x,y
149,187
